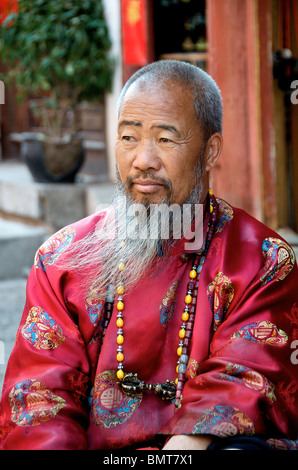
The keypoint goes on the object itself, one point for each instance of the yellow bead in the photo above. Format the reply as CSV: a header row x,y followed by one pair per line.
x,y
193,274
120,290
119,322
179,351
185,316
120,305
121,266
181,333
120,339
211,209
211,192
188,299
120,357
120,374
177,368
176,381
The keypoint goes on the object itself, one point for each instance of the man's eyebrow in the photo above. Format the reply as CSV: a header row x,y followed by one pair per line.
x,y
167,127
129,123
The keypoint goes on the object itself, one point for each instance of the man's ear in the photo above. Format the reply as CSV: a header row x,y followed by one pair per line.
x,y
213,150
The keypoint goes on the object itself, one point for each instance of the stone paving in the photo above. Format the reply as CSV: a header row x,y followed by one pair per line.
x,y
12,301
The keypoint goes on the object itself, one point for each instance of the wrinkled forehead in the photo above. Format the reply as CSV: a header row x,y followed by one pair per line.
x,y
152,87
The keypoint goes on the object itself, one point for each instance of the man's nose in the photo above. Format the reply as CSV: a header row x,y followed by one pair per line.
x,y
146,157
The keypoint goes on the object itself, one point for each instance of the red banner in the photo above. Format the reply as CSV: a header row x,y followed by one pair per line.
x,y
7,7
134,32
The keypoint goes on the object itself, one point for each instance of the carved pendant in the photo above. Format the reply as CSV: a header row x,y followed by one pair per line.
x,y
165,391
132,386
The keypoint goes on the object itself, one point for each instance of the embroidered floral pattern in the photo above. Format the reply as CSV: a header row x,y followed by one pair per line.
x,y
32,403
288,393
41,330
94,303
224,421
220,295
192,369
293,319
79,385
167,305
283,444
249,378
262,332
225,212
5,428
279,260
54,247
110,406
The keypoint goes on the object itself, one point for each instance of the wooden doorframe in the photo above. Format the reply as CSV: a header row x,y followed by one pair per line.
x,y
240,60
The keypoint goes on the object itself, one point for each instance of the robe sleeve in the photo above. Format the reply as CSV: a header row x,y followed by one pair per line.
x,y
248,384
44,400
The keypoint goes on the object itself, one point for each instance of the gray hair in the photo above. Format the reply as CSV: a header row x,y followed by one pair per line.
x,y
206,94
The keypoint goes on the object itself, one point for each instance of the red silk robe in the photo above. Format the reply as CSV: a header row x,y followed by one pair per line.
x,y
60,389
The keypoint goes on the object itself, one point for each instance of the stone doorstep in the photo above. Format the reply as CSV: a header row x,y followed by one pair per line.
x,y
18,245
54,205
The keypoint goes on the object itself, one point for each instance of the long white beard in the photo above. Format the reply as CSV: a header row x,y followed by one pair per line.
x,y
137,238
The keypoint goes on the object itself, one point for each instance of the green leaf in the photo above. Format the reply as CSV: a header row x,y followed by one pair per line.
x,y
48,46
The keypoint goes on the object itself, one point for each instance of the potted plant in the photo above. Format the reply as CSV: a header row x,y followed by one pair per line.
x,y
58,54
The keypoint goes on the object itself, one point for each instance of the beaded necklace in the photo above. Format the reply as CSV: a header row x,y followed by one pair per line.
x,y
129,382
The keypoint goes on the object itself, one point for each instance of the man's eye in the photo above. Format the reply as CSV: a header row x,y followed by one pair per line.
x,y
128,138
165,140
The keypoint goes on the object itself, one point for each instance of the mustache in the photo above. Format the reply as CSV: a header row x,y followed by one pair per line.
x,y
148,175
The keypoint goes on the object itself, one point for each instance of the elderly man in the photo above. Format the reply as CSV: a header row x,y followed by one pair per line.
x,y
135,341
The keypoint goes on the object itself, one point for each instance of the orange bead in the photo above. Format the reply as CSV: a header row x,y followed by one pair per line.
x,y
188,299
181,333
120,357
120,290
120,374
120,305
119,322
121,266
185,316
193,274
120,339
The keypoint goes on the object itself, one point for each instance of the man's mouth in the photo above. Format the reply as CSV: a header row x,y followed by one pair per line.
x,y
147,185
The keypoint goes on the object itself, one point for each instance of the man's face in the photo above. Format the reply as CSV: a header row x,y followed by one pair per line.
x,y
158,145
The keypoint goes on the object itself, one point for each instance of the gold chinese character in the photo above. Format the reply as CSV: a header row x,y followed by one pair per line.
x,y
133,12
